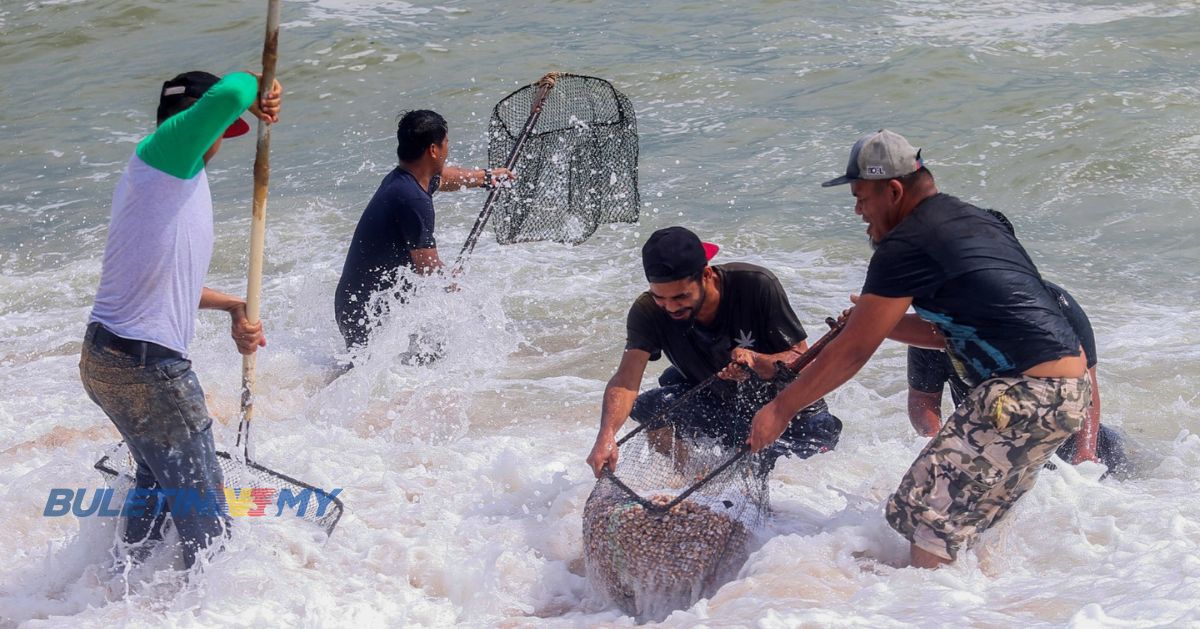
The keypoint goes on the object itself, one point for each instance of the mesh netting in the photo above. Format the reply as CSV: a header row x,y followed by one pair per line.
x,y
118,468
650,545
577,168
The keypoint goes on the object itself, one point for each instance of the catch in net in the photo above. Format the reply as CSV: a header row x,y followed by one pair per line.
x,y
312,505
577,166
675,520
673,523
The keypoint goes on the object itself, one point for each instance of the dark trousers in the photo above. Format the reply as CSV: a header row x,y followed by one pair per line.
x,y
358,317
157,405
724,411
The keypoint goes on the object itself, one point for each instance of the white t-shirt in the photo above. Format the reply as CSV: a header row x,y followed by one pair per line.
x,y
160,242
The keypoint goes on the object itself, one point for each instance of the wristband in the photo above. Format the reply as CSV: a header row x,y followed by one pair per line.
x,y
489,182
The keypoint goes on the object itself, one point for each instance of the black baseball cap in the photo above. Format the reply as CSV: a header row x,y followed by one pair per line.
x,y
184,90
673,253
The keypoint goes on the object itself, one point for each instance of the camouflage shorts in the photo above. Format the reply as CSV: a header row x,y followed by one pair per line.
x,y
984,458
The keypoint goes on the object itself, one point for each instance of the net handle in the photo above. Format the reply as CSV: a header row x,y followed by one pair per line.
x,y
258,224
657,420
545,84
835,328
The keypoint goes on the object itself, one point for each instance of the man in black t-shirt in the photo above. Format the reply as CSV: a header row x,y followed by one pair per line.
x,y
976,293
929,370
395,232
706,319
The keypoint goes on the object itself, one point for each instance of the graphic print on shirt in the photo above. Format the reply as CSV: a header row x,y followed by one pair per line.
x,y
744,339
966,345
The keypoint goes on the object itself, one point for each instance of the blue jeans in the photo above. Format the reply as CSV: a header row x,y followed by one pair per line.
x,y
157,405
725,409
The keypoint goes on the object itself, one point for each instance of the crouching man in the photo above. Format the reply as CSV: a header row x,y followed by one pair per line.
x,y
730,320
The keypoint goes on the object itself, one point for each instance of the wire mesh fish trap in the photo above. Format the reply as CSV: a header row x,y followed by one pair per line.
x,y
577,169
118,468
673,523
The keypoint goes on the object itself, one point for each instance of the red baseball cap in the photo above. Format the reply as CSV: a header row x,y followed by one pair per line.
x,y
184,90
239,127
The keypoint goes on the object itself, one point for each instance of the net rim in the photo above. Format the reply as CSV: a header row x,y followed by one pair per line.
x,y
104,467
497,121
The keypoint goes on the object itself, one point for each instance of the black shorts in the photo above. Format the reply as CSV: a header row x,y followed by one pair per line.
x,y
724,411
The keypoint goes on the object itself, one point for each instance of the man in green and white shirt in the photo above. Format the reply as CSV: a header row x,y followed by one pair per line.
x,y
134,362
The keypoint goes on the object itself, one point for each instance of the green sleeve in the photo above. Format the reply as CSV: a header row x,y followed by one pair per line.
x,y
177,147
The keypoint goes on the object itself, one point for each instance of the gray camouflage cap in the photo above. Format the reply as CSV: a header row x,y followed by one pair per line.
x,y
880,155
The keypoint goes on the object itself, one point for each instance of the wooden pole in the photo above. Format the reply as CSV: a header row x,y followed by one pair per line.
x,y
258,222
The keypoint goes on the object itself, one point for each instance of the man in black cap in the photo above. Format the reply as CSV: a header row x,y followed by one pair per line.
x,y
976,293
134,362
731,320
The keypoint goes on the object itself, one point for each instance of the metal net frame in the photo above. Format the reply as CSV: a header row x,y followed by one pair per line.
x,y
118,468
674,522
577,167
676,519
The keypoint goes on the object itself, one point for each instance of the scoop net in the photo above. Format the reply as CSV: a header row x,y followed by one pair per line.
x,y
577,167
118,468
673,523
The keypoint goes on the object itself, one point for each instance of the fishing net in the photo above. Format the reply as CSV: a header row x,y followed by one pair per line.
x,y
673,523
577,167
118,468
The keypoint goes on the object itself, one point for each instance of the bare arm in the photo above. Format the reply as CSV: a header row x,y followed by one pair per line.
x,y
425,261
869,323
454,177
1089,433
762,364
925,411
619,395
248,336
912,330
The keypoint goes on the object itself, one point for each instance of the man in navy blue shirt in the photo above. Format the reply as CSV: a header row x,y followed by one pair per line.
x,y
396,230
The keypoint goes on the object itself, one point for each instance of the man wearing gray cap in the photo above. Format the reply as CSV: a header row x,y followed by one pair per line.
x,y
977,295
706,318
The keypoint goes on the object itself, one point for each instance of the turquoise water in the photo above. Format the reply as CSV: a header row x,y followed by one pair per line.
x,y
465,482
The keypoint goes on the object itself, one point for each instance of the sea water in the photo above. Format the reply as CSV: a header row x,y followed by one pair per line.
x,y
464,481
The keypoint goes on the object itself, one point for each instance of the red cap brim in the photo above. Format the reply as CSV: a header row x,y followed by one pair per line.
x,y
710,250
239,127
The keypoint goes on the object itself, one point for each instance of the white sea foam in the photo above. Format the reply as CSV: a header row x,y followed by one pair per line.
x,y
1034,24
464,481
